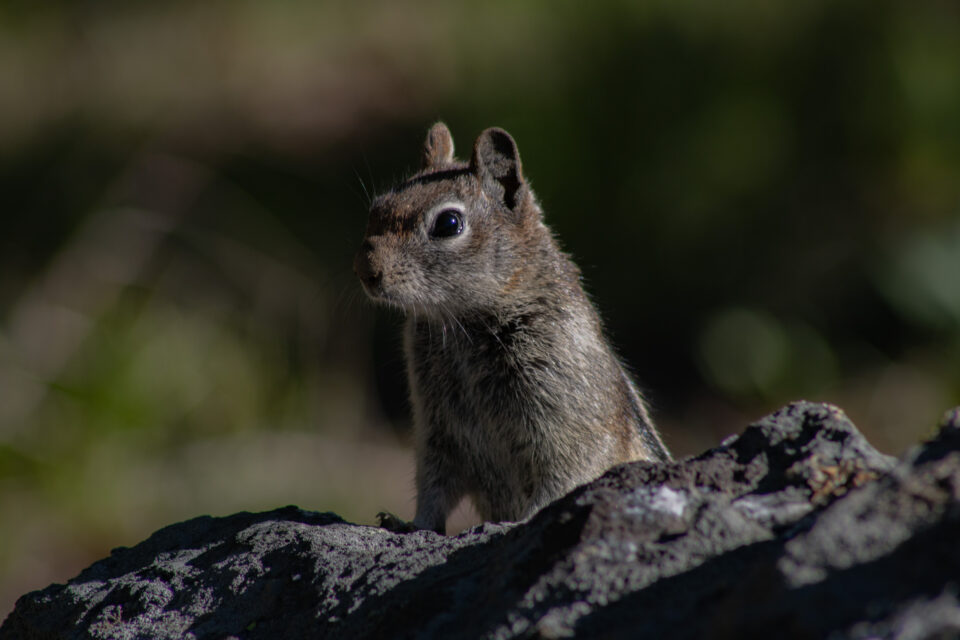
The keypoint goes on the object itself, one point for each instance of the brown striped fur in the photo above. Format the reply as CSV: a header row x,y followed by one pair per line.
x,y
517,396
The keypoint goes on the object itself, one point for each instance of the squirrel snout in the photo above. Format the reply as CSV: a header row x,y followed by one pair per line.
x,y
369,274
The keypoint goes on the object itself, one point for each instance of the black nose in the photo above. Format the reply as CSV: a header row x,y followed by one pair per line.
x,y
364,268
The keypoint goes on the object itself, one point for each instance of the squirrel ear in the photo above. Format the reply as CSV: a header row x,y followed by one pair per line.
x,y
438,147
496,161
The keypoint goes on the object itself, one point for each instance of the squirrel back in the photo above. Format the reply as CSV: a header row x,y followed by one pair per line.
x,y
517,395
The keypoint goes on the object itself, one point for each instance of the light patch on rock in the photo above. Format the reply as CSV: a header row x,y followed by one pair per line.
x,y
661,499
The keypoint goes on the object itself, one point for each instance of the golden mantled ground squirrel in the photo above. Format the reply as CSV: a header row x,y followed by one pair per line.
x,y
517,396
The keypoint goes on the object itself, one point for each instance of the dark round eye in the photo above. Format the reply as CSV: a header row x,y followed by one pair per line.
x,y
448,223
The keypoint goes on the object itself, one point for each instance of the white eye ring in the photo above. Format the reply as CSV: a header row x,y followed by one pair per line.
x,y
446,220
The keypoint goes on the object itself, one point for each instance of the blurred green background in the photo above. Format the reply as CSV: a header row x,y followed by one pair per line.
x,y
764,199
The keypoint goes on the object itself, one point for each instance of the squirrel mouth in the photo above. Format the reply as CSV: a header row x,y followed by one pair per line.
x,y
373,289
401,303
377,293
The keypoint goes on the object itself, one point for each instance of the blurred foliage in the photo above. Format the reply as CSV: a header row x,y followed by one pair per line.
x,y
764,199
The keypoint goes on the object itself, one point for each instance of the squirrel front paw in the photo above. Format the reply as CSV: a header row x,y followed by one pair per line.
x,y
392,523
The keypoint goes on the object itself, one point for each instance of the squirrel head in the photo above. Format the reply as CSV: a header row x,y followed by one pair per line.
x,y
456,238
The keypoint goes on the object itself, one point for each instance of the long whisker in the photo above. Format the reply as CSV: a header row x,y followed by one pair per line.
x,y
495,335
366,192
456,321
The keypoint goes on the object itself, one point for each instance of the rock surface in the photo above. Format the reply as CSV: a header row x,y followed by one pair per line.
x,y
797,528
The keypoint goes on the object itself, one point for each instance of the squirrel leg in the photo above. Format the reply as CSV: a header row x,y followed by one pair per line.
x,y
434,504
392,523
438,492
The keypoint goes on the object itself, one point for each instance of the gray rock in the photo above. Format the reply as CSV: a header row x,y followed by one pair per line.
x,y
796,528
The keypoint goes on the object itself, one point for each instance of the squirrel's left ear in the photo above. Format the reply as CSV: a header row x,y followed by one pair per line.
x,y
438,147
496,162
